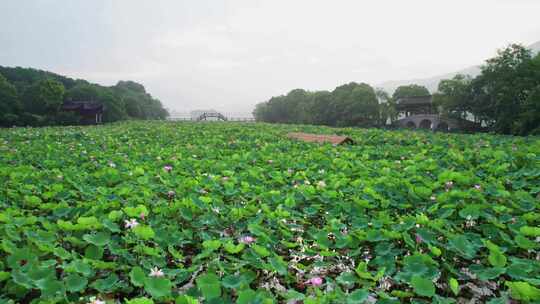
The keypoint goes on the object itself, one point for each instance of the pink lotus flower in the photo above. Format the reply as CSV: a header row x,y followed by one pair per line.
x,y
247,239
167,168
419,239
477,187
449,184
171,194
142,216
433,198
94,300
315,281
132,223
270,161
321,184
156,272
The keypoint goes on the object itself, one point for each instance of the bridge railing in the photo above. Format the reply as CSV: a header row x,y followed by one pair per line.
x,y
232,119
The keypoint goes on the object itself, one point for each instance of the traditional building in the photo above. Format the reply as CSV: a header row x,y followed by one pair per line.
x,y
416,105
420,112
90,112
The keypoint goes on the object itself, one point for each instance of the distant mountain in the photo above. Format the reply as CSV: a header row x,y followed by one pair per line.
x,y
433,82
535,47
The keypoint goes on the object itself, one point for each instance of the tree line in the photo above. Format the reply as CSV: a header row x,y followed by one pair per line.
x,y
30,97
504,98
352,104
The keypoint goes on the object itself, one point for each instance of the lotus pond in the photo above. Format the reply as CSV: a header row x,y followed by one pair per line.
x,y
163,212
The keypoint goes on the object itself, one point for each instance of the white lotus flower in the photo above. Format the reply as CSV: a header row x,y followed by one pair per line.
x,y
156,272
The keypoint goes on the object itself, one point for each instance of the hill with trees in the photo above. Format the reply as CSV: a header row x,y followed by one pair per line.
x,y
30,97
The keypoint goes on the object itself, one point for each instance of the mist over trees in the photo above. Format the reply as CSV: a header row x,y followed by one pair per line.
x,y
30,97
505,98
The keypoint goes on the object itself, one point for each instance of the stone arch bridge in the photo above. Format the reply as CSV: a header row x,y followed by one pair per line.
x,y
428,121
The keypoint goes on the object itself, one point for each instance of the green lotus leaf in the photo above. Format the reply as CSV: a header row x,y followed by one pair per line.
x,y
158,287
142,300
423,286
209,285
75,282
98,239
137,276
144,232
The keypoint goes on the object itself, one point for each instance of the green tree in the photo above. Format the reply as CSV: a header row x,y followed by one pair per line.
x,y
387,107
10,105
355,105
261,112
44,98
137,102
410,91
320,107
501,92
529,118
453,96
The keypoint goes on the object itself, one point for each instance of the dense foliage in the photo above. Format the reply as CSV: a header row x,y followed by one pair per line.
x,y
157,212
351,104
505,96
31,97
409,91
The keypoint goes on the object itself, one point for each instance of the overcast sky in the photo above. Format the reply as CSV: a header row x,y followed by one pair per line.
x,y
230,55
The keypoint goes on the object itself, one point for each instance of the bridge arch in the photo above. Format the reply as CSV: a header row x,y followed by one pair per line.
x,y
206,115
442,127
425,124
410,124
